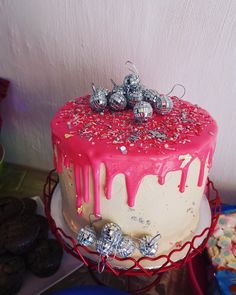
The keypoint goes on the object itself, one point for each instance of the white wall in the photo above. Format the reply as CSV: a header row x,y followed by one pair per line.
x,y
51,50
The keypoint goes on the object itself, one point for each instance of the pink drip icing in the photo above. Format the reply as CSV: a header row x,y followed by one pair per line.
x,y
161,179
78,186
108,185
201,172
183,178
86,183
96,188
132,186
135,165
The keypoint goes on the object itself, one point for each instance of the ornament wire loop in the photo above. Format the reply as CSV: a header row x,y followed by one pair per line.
x,y
113,82
93,87
101,264
133,69
91,222
155,237
173,88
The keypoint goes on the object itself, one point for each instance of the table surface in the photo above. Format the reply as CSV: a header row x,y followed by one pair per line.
x,y
22,182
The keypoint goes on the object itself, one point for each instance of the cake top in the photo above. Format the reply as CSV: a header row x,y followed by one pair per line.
x,y
185,128
163,144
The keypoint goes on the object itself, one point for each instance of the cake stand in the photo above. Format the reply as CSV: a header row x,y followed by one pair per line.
x,y
209,213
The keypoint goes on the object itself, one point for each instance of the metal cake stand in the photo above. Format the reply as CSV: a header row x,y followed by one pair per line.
x,y
209,213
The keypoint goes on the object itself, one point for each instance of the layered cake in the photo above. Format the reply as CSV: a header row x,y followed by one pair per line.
x,y
148,178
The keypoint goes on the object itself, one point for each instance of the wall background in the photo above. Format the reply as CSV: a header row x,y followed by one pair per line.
x,y
52,50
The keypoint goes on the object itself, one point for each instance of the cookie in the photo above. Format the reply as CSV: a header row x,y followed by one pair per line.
x,y
10,207
11,274
20,234
45,259
43,227
30,206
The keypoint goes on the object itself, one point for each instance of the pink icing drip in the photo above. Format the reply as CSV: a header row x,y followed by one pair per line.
x,y
66,161
78,186
132,185
201,172
183,178
161,179
85,170
108,185
96,188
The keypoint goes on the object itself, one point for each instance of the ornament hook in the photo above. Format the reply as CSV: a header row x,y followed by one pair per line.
x,y
113,82
93,87
173,88
157,236
101,264
91,222
133,68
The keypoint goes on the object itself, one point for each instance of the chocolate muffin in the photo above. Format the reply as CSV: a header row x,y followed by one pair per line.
x,y
11,274
43,227
30,206
45,259
9,208
20,234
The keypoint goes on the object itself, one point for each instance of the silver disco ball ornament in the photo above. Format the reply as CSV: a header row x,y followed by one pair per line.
x,y
131,80
98,100
148,245
86,236
125,247
150,95
104,247
117,102
163,105
117,88
134,97
142,111
111,232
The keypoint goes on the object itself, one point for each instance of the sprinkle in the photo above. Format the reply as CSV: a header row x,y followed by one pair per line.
x,y
123,150
67,135
69,125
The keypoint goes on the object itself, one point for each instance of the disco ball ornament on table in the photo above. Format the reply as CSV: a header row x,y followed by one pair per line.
x,y
148,246
125,247
86,236
98,100
131,81
117,102
150,95
142,111
117,88
134,97
163,105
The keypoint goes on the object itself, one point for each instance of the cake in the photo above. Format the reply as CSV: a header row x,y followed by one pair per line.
x,y
147,177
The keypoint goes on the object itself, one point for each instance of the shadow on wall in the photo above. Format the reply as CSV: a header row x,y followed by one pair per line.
x,y
227,196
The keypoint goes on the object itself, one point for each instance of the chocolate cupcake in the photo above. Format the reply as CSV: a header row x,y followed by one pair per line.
x,y
30,206
20,234
11,274
10,207
45,259
43,227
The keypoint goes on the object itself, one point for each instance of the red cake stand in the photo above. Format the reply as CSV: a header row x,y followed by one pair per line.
x,y
190,248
